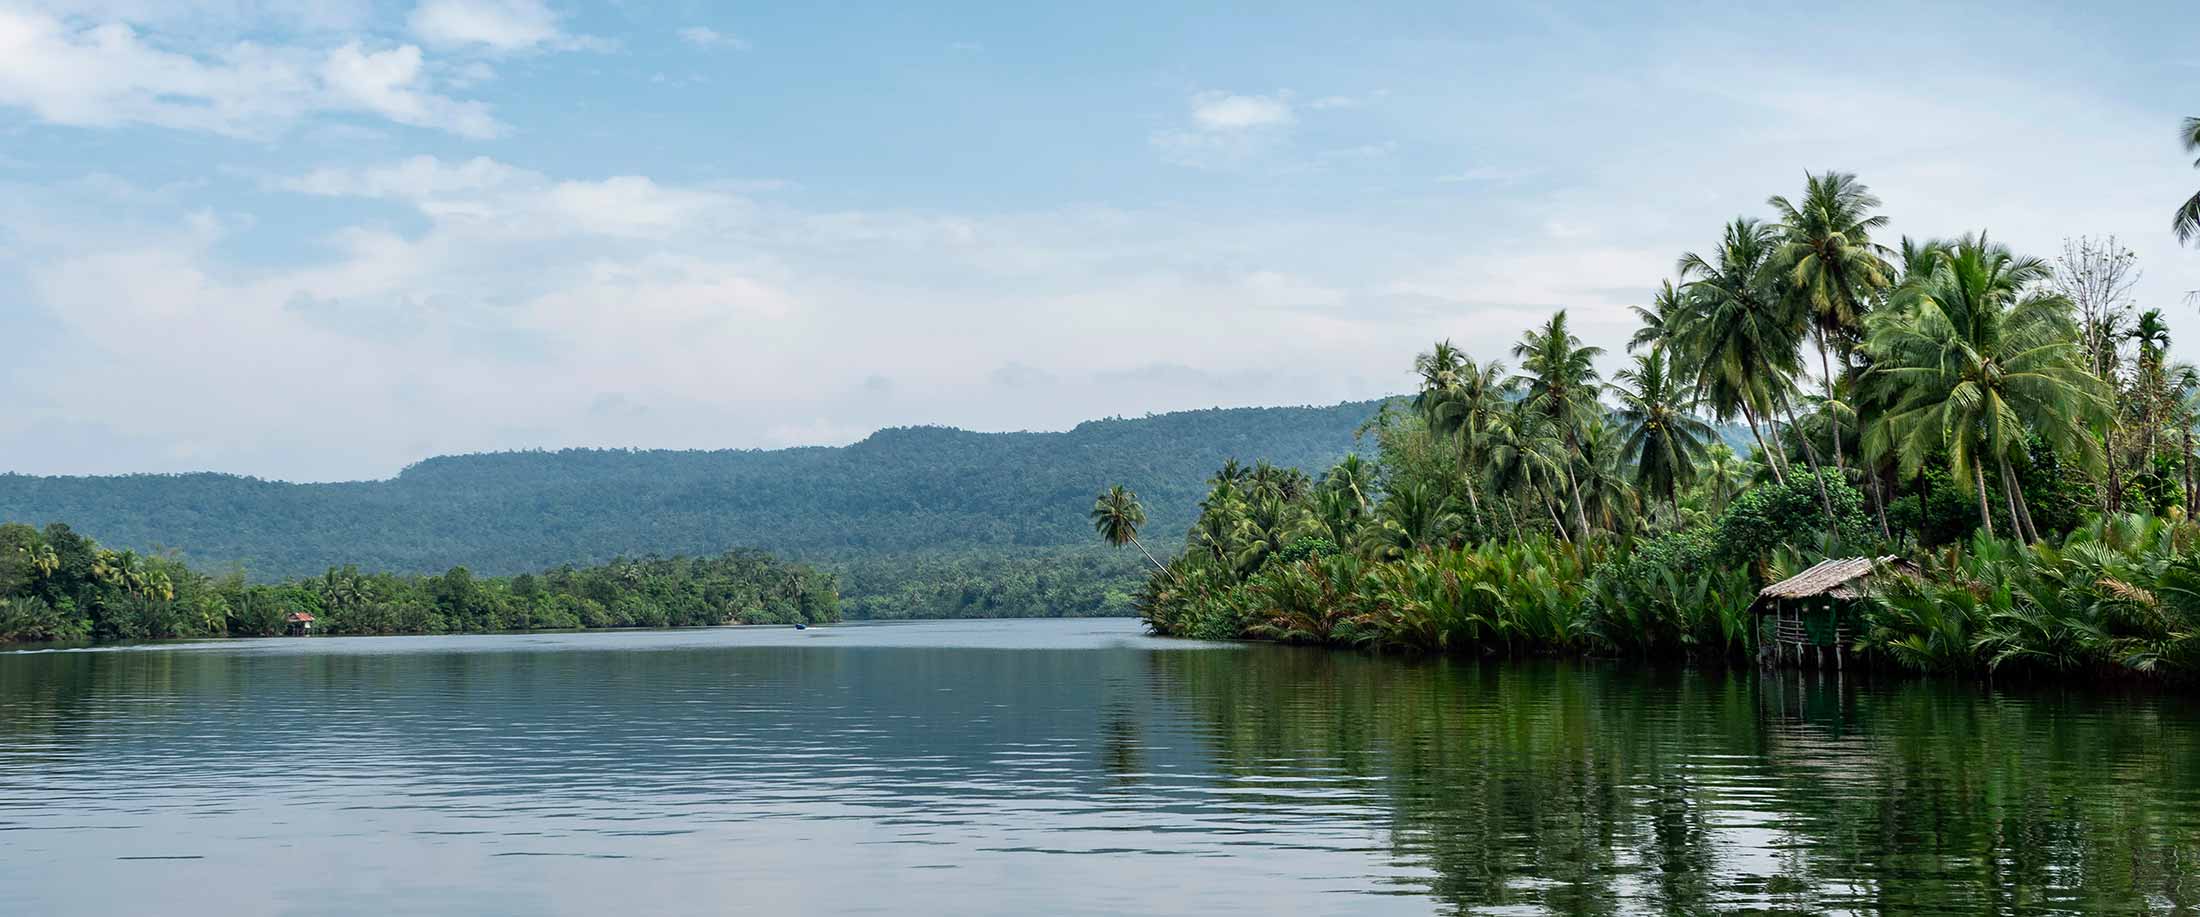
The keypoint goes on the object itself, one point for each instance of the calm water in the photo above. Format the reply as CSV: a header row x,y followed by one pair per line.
x,y
1055,767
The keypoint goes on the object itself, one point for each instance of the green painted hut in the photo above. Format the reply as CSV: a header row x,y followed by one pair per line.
x,y
1816,614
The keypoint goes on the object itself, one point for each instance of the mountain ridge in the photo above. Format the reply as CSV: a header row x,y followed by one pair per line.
x,y
915,491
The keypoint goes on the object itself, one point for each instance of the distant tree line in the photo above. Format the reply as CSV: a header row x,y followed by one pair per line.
x,y
58,585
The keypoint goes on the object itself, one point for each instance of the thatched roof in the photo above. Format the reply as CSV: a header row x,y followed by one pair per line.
x,y
1839,577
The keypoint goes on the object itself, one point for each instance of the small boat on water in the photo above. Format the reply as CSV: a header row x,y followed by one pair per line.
x,y
800,626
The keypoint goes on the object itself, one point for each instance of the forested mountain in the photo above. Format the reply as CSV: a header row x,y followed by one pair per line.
x,y
919,520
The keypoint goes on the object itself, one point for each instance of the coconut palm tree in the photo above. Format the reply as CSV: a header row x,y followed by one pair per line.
x,y
2186,224
1660,320
1976,359
1559,376
1461,411
1612,499
1829,261
1355,477
1117,516
1664,441
1525,453
1742,337
1725,476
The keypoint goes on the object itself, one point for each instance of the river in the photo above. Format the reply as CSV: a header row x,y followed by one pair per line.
x,y
1057,767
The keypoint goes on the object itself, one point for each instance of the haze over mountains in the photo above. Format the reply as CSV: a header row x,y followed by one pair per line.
x,y
888,508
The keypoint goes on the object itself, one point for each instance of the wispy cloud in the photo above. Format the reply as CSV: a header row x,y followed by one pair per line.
x,y
1488,175
703,36
496,26
107,74
1223,111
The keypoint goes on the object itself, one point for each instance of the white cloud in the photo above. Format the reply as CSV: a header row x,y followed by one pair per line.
x,y
1222,111
488,195
108,75
496,26
707,37
388,83
1489,175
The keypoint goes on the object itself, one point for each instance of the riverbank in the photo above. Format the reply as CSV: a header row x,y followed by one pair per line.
x,y
2116,599
57,585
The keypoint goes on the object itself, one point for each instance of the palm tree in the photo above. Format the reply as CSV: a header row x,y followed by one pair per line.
x,y
1829,260
2186,224
1524,446
1116,515
1460,409
1612,499
1355,477
1741,337
1725,476
1559,375
1978,358
2149,382
1660,320
1664,441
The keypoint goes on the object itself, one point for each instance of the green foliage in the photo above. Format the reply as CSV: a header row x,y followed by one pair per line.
x,y
1776,514
73,589
902,506
2120,596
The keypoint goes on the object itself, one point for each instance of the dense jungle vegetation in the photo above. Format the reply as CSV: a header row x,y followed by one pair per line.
x,y
2013,424
917,522
58,585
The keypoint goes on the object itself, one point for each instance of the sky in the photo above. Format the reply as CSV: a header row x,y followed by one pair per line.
x,y
321,245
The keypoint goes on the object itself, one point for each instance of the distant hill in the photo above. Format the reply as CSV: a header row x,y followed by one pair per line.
x,y
912,492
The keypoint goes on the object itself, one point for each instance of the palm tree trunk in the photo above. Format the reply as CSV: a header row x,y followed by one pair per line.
x,y
1580,516
1770,459
2190,498
1817,474
1149,555
1879,503
2114,497
2020,516
1548,506
1827,368
1985,516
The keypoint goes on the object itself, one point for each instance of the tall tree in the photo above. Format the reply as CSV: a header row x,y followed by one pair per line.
x,y
2097,276
2186,224
1117,516
1660,320
1979,357
1664,441
1828,259
1742,339
1559,375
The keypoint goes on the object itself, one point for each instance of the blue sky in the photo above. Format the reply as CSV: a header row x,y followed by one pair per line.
x,y
320,245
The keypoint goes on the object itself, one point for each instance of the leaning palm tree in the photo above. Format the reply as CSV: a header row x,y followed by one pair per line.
x,y
2186,224
1978,359
1664,441
1559,377
1117,515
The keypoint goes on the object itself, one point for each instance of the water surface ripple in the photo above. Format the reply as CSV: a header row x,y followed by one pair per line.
x,y
1057,767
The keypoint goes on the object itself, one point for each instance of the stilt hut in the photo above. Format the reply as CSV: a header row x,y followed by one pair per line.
x,y
301,623
1815,614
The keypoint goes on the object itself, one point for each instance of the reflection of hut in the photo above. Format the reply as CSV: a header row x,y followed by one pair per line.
x,y
300,623
1818,609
